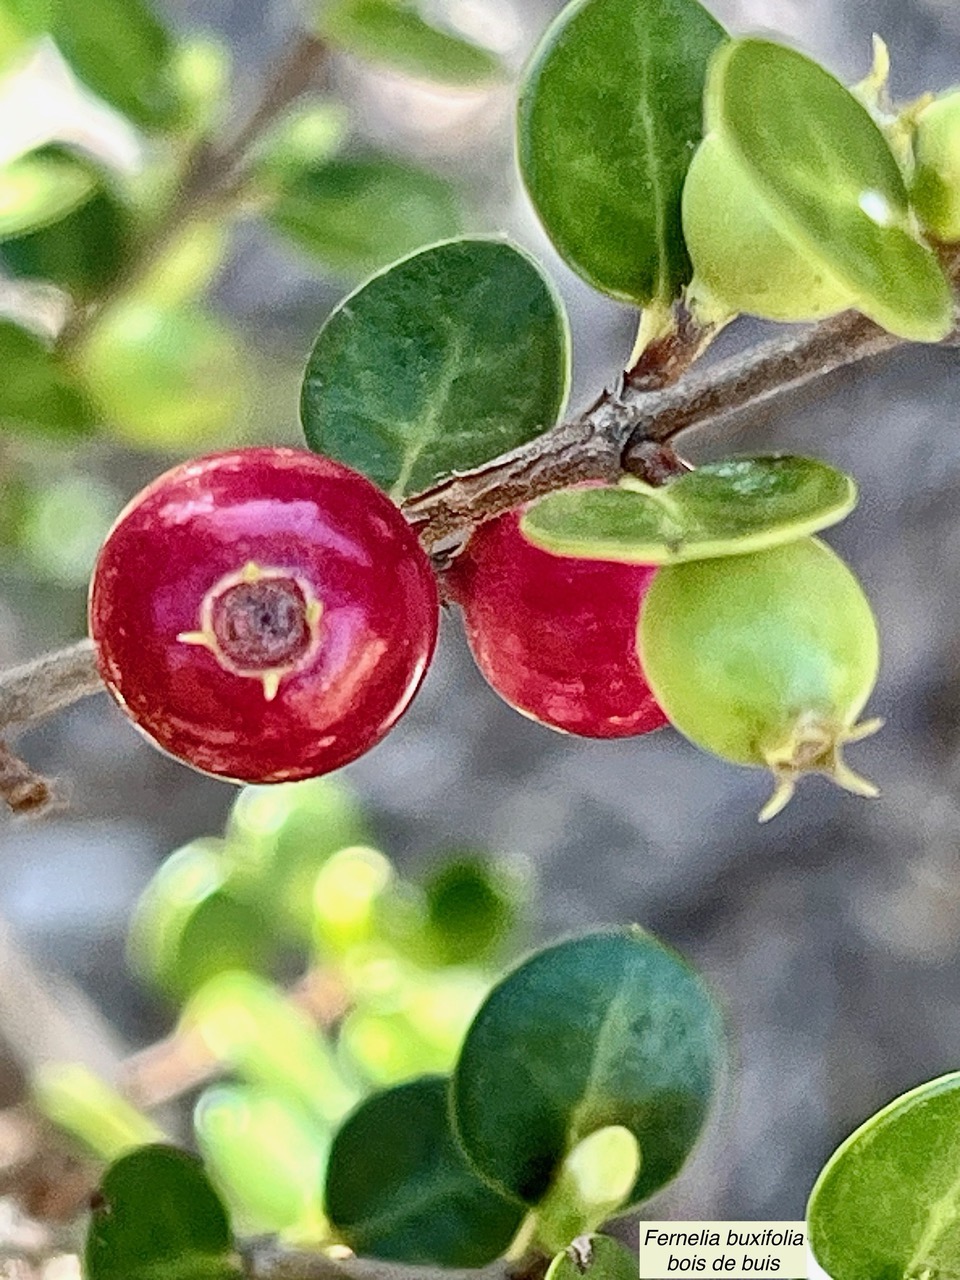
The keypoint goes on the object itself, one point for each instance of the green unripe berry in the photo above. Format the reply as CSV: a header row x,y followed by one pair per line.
x,y
936,183
765,660
743,261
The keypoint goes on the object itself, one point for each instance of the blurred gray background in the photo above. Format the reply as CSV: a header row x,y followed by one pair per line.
x,y
832,935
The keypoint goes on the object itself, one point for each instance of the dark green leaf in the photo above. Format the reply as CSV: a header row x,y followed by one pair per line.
x,y
887,1204
399,1187
613,1029
440,363
250,1026
122,52
157,1216
830,181
266,1154
36,394
721,509
393,32
610,111
594,1258
281,836
83,251
355,215
191,924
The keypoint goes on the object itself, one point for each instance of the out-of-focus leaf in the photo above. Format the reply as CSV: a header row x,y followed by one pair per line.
x,y
394,32
120,49
165,378
347,889
279,837
610,112
612,1029
87,1108
40,188
187,268
399,1187
472,907
85,249
36,393
443,361
200,72
157,1216
304,139
190,924
251,1026
356,214
21,21
267,1155
64,524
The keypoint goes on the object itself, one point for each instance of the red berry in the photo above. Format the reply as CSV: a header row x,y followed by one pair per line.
x,y
264,614
555,636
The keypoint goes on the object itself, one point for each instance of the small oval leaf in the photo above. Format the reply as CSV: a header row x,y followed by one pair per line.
x,y
394,32
613,1029
36,392
721,509
828,175
399,1187
594,1258
610,111
354,215
41,188
157,1214
888,1201
443,361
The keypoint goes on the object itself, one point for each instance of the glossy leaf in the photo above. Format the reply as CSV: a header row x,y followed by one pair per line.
x,y
441,362
610,111
887,1204
85,249
165,377
156,1214
279,838
612,1029
36,392
830,181
356,214
122,52
398,1186
191,924
41,188
250,1026
267,1155
721,509
87,1108
395,33
594,1258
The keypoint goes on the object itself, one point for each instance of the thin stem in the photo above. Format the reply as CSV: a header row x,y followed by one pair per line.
x,y
266,1260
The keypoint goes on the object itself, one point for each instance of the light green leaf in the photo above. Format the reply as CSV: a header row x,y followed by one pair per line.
x,y
394,32
887,1204
354,215
440,363
721,509
41,188
610,111
594,1258
830,181
156,1215
122,52
90,1110
165,377
267,1155
398,1186
249,1025
191,923
36,392
612,1029
21,21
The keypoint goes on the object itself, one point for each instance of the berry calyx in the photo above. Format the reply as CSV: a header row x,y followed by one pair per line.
x,y
766,660
555,636
265,614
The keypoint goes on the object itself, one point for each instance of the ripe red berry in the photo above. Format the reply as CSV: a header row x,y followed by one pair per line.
x,y
555,636
265,614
